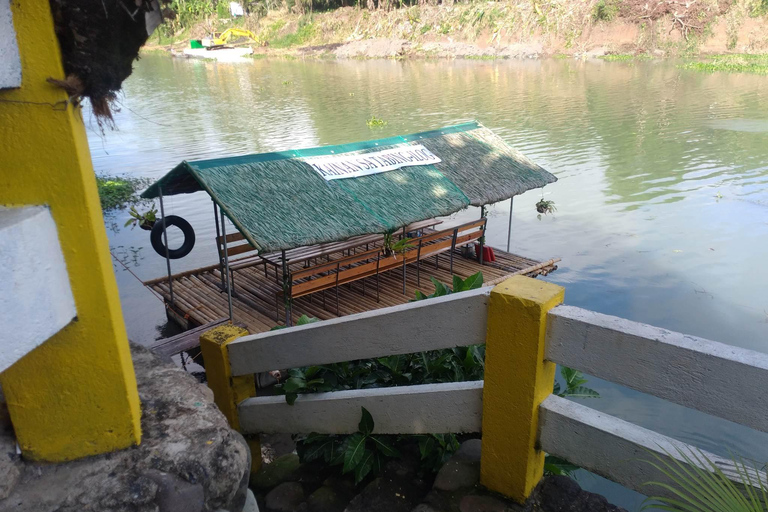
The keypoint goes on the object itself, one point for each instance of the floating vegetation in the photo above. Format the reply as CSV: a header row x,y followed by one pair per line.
x,y
733,63
624,57
117,192
376,122
287,82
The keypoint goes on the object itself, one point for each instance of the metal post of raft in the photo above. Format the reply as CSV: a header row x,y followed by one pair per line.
x,y
404,272
286,290
165,240
482,238
218,245
509,228
226,265
418,264
453,246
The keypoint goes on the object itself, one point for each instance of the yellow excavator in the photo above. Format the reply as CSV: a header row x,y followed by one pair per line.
x,y
223,39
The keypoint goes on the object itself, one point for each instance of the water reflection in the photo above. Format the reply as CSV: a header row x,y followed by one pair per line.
x,y
661,201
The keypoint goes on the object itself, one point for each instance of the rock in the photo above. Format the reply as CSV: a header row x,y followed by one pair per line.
x,y
286,497
312,474
479,503
175,494
9,463
239,498
562,494
250,502
207,392
328,499
398,489
440,501
423,507
186,446
469,451
282,469
455,475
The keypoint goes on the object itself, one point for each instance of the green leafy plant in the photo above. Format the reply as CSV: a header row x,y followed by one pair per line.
x,y
545,207
699,485
303,320
364,453
144,220
391,247
574,385
459,285
360,453
375,122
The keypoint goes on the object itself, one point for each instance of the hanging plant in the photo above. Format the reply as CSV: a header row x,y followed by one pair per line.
x,y
144,220
545,207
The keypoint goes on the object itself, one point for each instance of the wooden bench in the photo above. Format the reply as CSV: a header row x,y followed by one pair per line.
x,y
331,274
237,245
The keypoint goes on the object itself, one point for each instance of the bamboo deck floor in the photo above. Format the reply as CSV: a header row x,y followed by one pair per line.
x,y
199,299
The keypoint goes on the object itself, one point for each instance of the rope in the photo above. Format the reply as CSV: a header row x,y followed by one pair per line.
x,y
159,297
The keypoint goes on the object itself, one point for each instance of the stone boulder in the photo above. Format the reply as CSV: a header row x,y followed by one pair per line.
x,y
189,459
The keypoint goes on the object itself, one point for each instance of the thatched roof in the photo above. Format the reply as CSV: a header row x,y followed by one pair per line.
x,y
278,201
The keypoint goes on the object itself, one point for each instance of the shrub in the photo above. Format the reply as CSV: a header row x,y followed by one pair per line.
x,y
605,10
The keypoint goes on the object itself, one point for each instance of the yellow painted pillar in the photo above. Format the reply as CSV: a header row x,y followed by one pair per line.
x,y
517,380
75,395
229,391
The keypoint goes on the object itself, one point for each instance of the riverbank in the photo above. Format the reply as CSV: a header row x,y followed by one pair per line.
x,y
507,29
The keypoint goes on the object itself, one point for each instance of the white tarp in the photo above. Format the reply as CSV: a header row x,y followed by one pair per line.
x,y
334,167
235,9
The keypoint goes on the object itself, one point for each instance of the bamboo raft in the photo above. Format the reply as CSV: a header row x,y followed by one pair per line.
x,y
199,299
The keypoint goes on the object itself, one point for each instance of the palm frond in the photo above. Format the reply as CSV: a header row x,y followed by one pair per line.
x,y
695,483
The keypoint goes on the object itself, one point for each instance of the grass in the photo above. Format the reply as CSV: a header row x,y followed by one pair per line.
x,y
624,57
301,36
733,63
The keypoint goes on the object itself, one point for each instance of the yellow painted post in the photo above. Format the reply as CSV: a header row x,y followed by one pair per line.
x,y
75,395
517,380
229,391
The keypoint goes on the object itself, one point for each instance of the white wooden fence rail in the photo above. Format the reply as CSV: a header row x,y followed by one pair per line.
x,y
429,408
711,377
442,322
613,448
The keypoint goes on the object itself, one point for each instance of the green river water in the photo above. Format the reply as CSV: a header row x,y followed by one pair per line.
x,y
662,198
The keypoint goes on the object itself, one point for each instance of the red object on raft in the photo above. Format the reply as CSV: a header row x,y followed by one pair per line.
x,y
488,254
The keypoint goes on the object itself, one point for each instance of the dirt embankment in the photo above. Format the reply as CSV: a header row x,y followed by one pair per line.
x,y
514,29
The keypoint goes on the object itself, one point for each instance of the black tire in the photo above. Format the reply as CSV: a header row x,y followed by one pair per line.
x,y
156,237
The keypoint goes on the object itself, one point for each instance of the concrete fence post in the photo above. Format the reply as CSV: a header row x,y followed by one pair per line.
x,y
74,395
517,380
229,391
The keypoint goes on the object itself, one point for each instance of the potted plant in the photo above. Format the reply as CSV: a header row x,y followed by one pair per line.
x,y
545,207
391,247
144,220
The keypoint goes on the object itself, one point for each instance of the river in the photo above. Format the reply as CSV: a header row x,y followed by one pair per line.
x,y
662,201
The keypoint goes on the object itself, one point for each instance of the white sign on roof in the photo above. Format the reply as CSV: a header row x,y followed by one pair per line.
x,y
334,167
10,63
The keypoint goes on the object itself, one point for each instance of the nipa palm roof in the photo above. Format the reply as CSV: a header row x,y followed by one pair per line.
x,y
279,201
